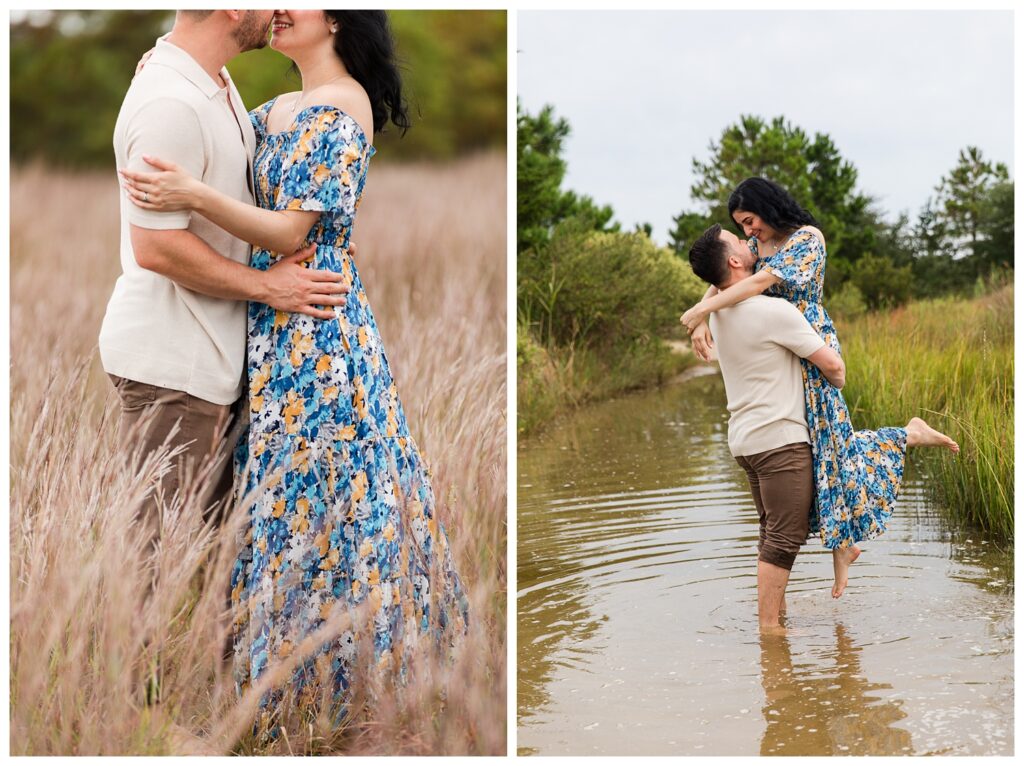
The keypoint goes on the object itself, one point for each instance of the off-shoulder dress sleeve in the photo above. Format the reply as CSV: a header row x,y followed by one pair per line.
x,y
800,259
326,166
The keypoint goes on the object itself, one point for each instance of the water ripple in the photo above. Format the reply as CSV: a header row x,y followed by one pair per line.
x,y
637,608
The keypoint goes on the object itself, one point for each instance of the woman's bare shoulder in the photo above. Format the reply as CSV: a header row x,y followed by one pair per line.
x,y
348,96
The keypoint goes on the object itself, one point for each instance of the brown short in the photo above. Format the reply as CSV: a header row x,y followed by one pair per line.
x,y
782,483
204,429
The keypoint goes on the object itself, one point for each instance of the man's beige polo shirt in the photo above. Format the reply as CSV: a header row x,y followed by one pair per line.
x,y
759,343
156,331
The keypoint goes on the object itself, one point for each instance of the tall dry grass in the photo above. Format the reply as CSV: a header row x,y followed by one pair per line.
x,y
85,629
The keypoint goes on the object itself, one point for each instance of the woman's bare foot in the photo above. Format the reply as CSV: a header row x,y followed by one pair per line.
x,y
920,434
841,560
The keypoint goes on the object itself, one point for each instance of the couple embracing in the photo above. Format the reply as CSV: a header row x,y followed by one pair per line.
x,y
789,427
240,334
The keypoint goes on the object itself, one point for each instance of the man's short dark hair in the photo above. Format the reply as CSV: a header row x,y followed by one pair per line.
x,y
708,256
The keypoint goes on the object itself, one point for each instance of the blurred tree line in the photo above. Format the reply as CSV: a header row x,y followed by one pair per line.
x,y
70,71
580,279
595,303
961,240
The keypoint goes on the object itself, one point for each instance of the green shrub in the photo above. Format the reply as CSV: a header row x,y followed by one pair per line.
x,y
603,289
846,303
882,283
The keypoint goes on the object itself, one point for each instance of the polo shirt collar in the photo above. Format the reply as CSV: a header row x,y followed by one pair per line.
x,y
170,55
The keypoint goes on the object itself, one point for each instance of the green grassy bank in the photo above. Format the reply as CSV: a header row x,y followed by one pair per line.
x,y
949,361
552,380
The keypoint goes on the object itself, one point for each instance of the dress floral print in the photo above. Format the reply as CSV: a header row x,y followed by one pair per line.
x,y
857,474
343,512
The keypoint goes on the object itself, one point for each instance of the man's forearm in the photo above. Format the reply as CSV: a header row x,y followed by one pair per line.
x,y
186,259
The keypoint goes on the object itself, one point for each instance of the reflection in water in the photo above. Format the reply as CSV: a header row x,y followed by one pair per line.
x,y
578,539
637,629
826,710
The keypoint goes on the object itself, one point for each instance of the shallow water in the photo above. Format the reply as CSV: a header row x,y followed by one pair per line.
x,y
637,628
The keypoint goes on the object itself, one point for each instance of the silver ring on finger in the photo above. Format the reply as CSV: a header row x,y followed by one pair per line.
x,y
145,196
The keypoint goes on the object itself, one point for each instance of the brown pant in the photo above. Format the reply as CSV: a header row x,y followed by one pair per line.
x,y
782,483
203,430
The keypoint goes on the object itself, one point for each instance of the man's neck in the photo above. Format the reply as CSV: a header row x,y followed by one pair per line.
x,y
207,47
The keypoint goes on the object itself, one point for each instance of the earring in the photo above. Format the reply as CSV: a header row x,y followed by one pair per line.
x,y
334,30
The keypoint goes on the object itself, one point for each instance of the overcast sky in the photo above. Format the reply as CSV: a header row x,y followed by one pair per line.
x,y
645,92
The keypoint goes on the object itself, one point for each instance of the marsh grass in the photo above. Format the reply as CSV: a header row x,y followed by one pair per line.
x,y
949,361
554,380
93,609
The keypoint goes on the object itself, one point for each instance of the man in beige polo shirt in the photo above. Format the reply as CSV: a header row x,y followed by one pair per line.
x,y
759,342
174,335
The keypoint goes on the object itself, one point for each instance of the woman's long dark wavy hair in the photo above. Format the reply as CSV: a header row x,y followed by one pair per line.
x,y
769,201
364,44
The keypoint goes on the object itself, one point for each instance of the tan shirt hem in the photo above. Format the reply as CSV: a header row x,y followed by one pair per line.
x,y
168,373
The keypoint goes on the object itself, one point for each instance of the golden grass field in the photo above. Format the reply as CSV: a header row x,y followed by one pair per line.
x,y
432,244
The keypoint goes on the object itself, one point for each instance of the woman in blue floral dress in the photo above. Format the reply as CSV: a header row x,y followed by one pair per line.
x,y
343,516
857,474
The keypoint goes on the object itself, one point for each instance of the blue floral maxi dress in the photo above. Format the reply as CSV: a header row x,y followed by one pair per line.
x,y
857,474
343,512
